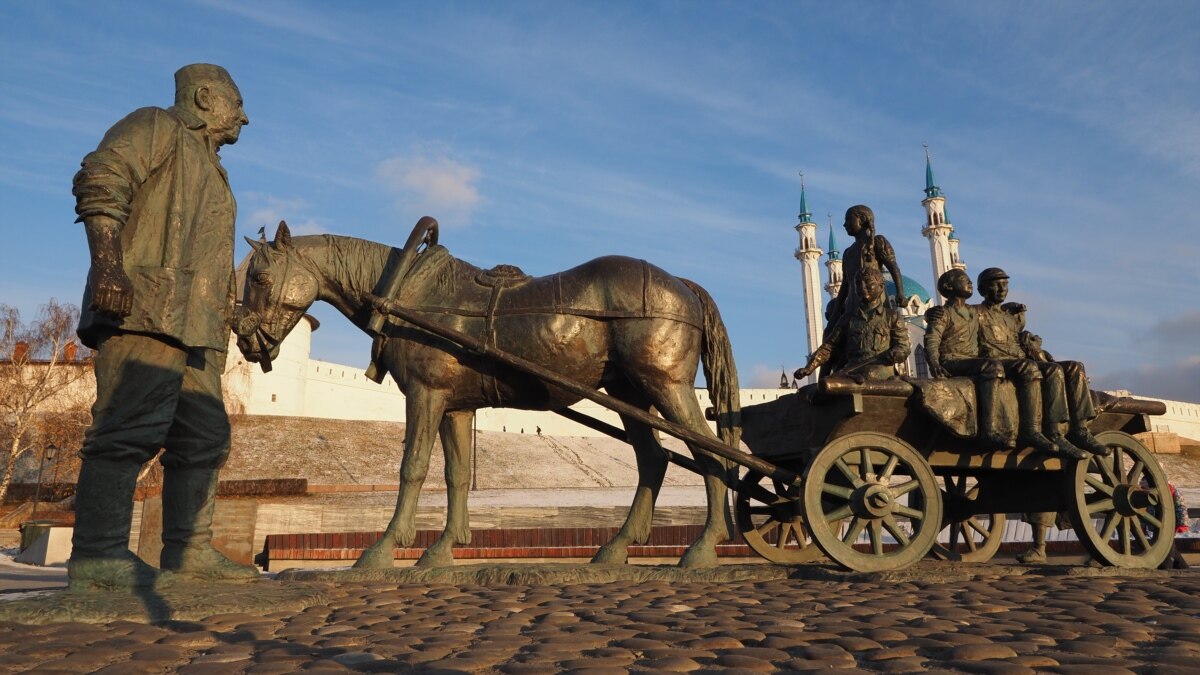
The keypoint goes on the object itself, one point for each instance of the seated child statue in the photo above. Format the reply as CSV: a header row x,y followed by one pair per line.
x,y
870,338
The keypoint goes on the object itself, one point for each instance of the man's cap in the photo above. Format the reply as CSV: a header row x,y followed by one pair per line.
x,y
990,274
197,74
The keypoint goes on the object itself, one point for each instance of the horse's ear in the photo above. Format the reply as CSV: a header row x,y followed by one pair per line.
x,y
283,236
254,243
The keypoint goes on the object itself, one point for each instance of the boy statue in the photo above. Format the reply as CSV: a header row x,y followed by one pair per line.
x,y
952,348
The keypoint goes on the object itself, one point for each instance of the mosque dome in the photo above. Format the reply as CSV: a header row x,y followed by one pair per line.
x,y
911,288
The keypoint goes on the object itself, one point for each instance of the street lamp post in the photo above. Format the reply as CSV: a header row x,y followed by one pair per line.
x,y
47,455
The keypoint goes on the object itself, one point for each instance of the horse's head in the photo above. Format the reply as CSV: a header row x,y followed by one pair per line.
x,y
279,288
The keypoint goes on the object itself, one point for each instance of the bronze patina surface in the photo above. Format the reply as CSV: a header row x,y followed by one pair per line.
x,y
159,215
614,322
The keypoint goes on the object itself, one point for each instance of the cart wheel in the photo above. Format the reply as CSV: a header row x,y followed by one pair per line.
x,y
1121,506
768,516
975,539
874,487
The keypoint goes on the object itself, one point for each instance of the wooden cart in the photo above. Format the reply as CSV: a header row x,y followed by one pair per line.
x,y
885,485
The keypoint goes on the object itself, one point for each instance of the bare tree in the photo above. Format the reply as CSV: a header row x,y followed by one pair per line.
x,y
44,374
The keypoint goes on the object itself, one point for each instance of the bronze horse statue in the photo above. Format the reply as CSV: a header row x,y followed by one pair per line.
x,y
614,322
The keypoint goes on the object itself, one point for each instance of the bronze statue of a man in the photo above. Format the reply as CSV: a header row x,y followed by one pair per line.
x,y
1063,384
871,338
952,348
159,215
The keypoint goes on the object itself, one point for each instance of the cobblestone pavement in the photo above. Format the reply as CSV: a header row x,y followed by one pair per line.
x,y
988,624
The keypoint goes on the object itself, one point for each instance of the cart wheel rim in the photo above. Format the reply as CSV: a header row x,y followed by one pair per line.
x,y
769,516
1121,506
973,539
873,491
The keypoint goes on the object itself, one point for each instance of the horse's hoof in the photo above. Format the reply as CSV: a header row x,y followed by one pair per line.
x,y
611,555
375,559
436,557
697,558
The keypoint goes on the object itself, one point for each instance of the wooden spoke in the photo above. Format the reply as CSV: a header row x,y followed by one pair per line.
x,y
841,513
1151,519
1135,474
893,528
1105,466
1117,464
905,487
837,491
889,467
974,523
971,543
868,469
852,532
909,512
1125,543
1110,525
1098,485
768,527
759,493
850,475
1141,536
875,531
1100,505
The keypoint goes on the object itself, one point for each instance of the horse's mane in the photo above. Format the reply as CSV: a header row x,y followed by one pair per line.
x,y
355,263
358,264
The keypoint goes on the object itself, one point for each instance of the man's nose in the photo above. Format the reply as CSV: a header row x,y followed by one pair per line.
x,y
245,120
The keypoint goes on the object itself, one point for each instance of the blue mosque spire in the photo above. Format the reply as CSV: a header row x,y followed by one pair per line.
x,y
805,214
833,247
931,188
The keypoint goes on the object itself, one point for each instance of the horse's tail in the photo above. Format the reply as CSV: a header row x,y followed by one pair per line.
x,y
716,356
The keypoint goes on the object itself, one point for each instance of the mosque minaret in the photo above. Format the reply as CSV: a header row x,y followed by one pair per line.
x,y
809,255
943,245
833,265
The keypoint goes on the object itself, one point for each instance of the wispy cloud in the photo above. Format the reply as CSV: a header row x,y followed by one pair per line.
x,y
291,17
266,211
434,182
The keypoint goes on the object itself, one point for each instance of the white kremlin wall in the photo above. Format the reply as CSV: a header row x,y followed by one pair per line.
x,y
298,386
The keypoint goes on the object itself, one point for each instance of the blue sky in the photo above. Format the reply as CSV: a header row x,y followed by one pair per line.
x,y
1065,135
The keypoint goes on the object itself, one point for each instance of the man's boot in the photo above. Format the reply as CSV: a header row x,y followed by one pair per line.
x,y
986,391
100,555
1037,552
188,501
1081,437
1029,412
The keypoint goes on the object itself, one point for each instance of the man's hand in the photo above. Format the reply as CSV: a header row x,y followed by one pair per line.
x,y
804,372
112,292
937,370
1013,307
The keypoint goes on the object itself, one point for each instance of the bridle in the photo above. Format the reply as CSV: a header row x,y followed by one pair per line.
x,y
250,323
